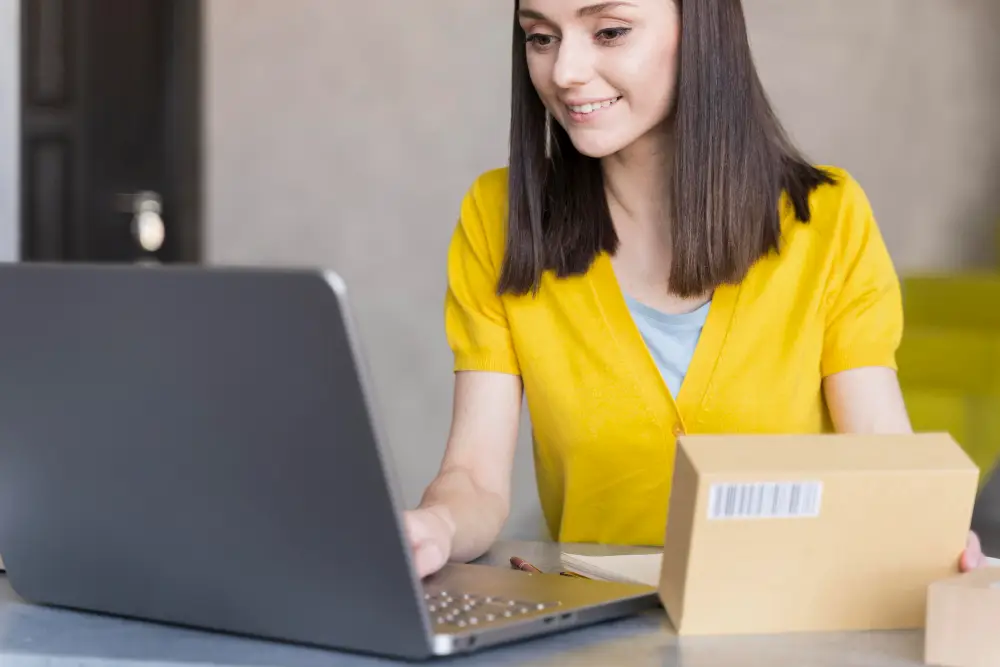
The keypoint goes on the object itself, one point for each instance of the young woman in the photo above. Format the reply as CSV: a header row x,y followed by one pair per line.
x,y
657,259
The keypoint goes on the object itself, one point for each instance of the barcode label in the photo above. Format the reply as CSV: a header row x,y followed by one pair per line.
x,y
765,500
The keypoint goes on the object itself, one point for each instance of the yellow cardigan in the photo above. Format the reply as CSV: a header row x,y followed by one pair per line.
x,y
604,421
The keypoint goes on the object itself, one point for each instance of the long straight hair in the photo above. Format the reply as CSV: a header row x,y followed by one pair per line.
x,y
731,163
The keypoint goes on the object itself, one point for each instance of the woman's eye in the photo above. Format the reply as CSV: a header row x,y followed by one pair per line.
x,y
540,41
611,35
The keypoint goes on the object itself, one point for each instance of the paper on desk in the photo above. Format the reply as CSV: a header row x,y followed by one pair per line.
x,y
631,569
634,569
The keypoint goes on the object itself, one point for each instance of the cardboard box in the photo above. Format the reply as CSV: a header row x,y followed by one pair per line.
x,y
775,534
963,617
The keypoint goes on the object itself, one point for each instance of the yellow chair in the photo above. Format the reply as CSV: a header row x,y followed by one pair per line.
x,y
950,360
959,301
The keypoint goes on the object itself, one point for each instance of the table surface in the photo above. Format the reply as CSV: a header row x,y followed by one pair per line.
x,y
33,636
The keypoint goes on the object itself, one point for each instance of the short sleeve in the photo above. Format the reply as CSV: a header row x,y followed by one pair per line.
x,y
475,316
864,321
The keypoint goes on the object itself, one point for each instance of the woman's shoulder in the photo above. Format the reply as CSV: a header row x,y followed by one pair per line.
x,y
841,237
839,206
841,220
482,222
486,200
490,187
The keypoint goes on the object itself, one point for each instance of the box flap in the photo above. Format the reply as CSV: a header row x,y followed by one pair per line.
x,y
827,453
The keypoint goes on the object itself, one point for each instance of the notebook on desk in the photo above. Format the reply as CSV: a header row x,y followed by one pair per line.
x,y
633,569
641,569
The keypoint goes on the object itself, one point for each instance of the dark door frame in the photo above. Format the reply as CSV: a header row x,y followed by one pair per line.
x,y
187,112
184,126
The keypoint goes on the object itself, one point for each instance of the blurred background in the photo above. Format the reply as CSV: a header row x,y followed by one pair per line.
x,y
344,134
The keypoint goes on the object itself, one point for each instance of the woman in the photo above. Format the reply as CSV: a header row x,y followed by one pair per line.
x,y
657,259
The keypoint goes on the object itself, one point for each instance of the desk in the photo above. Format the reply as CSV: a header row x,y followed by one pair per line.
x,y
33,636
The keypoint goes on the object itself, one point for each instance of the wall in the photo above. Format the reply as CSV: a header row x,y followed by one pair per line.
x,y
905,94
10,91
344,134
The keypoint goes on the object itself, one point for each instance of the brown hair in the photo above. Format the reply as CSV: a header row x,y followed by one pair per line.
x,y
731,162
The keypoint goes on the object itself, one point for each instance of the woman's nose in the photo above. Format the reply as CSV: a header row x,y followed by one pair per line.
x,y
574,64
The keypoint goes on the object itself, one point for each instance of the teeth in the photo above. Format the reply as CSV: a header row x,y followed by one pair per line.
x,y
591,108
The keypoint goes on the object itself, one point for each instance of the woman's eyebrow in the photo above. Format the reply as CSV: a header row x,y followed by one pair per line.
x,y
589,10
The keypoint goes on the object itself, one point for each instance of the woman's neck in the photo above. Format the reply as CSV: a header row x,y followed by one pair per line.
x,y
637,184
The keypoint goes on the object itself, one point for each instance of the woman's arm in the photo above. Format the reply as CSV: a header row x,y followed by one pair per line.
x,y
465,507
869,400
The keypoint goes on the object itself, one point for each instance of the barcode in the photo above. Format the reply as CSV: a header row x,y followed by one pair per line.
x,y
765,500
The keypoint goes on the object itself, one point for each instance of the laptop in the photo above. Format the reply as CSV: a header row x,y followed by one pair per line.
x,y
197,446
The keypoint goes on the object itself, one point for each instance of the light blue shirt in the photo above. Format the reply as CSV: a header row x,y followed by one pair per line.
x,y
671,339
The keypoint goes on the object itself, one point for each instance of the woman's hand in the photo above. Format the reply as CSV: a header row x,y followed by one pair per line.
x,y
430,533
973,557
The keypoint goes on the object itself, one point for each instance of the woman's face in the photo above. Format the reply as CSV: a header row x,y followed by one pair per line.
x,y
606,71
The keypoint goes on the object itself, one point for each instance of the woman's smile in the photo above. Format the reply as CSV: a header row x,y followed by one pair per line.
x,y
583,111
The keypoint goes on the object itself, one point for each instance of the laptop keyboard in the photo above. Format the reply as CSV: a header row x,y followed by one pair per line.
x,y
465,610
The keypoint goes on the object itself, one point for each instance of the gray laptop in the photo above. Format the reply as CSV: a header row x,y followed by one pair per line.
x,y
197,446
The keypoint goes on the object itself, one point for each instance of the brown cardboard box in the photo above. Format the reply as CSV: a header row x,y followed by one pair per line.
x,y
963,617
774,534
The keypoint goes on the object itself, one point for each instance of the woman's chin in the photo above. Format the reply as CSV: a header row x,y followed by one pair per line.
x,y
599,144
597,147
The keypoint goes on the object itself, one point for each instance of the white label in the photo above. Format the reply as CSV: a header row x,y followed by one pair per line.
x,y
765,500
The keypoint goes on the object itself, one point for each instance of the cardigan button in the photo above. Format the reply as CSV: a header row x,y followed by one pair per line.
x,y
678,430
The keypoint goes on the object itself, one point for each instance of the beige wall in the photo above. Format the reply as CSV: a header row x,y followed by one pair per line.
x,y
344,134
10,99
905,94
